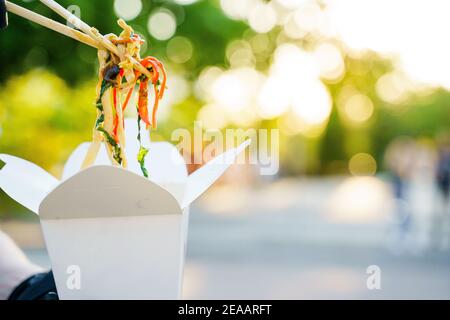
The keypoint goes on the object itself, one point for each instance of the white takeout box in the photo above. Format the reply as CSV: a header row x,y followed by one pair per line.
x,y
122,235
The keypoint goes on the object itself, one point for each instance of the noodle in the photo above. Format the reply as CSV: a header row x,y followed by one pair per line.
x,y
118,80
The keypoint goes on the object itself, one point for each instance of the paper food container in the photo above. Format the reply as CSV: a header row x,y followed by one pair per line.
x,y
110,232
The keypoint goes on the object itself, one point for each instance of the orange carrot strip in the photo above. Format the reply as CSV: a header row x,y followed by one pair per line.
x,y
127,99
143,102
150,62
121,41
155,106
163,71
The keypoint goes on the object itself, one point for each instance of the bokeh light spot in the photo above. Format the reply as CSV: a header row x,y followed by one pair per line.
x,y
179,49
262,18
362,164
273,100
205,81
185,2
360,200
239,54
127,9
237,89
237,9
162,24
330,61
312,103
358,108
213,117
390,88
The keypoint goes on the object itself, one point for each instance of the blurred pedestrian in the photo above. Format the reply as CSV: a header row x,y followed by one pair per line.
x,y
442,220
399,161
422,194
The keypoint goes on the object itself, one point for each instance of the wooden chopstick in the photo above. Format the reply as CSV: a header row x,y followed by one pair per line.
x,y
92,32
50,24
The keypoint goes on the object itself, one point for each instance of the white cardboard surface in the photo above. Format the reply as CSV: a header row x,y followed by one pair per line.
x,y
107,191
25,182
73,164
118,258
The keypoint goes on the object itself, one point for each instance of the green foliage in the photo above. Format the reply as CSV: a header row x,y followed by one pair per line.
x,y
31,46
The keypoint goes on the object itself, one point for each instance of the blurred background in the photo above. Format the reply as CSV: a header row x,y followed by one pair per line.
x,y
360,91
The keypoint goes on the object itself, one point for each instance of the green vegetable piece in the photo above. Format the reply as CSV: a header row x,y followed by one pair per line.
x,y
141,159
142,151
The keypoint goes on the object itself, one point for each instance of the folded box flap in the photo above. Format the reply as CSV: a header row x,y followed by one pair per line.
x,y
107,191
165,163
73,164
167,168
25,182
199,181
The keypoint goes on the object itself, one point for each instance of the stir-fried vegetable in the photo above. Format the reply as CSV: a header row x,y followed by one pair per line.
x,y
118,80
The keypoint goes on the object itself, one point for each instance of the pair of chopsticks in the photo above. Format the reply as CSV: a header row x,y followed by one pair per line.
x,y
88,35
50,24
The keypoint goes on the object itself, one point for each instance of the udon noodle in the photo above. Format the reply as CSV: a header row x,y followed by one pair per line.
x,y
118,85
